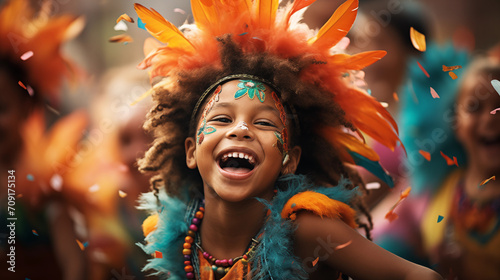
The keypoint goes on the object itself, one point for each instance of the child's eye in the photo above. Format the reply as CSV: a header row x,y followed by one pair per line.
x,y
222,119
265,123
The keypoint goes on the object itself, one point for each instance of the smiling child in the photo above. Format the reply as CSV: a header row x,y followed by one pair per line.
x,y
254,126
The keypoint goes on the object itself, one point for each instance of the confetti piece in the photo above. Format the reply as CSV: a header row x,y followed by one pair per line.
x,y
451,68
372,186
56,182
141,24
158,255
449,161
81,245
453,75
21,84
495,111
496,85
94,188
384,104
434,93
315,262
423,70
120,38
121,26
417,39
122,194
19,195
391,216
395,96
125,17
484,182
425,154
244,33
53,110
30,90
27,55
30,177
180,11
440,218
34,232
341,246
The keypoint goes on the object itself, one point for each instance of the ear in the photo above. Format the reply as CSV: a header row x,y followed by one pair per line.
x,y
291,164
190,148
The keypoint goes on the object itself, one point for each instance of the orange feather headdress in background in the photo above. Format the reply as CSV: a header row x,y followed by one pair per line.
x,y
260,26
37,38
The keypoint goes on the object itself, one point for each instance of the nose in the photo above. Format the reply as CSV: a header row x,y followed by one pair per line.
x,y
240,131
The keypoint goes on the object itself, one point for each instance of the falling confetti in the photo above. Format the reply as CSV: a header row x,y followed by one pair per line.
x,y
122,194
391,216
496,85
341,246
423,70
495,111
82,245
417,39
30,177
27,55
158,255
125,17
434,93
53,110
21,84
121,38
372,186
440,218
449,161
315,262
484,182
141,24
242,34
425,154
34,232
121,26
30,90
395,96
56,182
384,104
451,68
19,195
453,75
180,11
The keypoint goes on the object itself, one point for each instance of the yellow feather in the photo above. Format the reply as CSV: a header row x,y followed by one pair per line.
x,y
265,12
204,13
163,30
337,26
357,61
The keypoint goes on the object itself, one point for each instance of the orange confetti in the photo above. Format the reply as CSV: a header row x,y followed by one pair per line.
x,y
449,161
341,246
125,17
453,75
315,262
434,93
19,195
122,194
423,70
21,84
417,39
484,182
395,96
34,232
158,255
425,154
121,38
391,216
80,244
451,68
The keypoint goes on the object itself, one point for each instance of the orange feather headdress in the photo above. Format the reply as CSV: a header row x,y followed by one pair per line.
x,y
259,26
23,32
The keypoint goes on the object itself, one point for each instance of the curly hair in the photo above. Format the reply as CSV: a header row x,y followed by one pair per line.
x,y
175,99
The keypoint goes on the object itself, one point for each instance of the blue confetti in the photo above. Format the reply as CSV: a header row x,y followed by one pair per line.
x,y
496,85
141,24
440,218
244,33
369,91
30,177
85,244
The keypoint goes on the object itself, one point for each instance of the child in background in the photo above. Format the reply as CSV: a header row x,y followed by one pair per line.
x,y
254,122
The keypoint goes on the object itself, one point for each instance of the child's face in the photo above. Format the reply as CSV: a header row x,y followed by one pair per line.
x,y
237,148
477,129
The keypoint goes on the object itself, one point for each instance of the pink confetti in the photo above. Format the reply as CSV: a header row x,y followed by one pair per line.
x,y
30,90
434,93
180,11
27,55
495,111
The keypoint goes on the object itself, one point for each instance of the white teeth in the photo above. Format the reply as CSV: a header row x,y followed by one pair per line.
x,y
246,156
250,159
239,155
242,155
235,154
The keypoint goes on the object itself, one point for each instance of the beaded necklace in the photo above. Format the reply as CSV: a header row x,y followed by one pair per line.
x,y
220,266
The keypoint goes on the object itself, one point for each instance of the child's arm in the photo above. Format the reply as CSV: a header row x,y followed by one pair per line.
x,y
357,257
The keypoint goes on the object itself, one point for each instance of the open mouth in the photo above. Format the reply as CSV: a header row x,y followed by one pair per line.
x,y
237,162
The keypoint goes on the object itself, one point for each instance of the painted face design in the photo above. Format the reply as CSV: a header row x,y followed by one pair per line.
x,y
243,125
205,129
281,138
252,88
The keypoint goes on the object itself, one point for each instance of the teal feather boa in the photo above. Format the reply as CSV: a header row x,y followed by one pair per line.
x,y
273,259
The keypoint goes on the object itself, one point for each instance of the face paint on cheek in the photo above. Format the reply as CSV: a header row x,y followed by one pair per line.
x,y
205,129
252,88
282,138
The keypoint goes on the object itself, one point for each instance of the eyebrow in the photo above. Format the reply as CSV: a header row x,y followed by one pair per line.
x,y
230,104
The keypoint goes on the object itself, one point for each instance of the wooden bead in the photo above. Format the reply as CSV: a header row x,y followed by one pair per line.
x,y
186,252
188,268
187,245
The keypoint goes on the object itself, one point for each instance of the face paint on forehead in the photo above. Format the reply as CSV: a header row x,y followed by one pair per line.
x,y
252,88
203,128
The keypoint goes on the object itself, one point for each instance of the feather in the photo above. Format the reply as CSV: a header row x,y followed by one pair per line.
x,y
204,13
265,12
337,26
162,29
348,141
297,6
373,167
357,61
